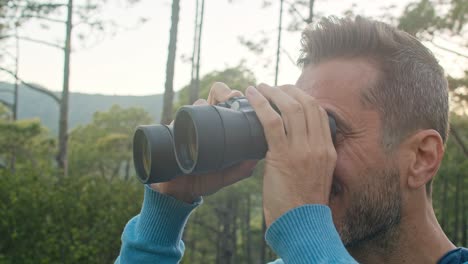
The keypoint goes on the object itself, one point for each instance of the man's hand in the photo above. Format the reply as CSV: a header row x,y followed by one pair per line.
x,y
301,157
188,187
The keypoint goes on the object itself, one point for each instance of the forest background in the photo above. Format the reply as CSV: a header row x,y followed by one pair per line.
x,y
67,183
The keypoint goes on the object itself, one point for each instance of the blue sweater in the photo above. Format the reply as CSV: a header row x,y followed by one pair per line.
x,y
305,234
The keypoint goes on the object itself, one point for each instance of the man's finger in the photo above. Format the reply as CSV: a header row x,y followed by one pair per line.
x,y
272,123
220,92
313,112
291,110
200,102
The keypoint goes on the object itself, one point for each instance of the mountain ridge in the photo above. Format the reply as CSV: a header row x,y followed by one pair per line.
x,y
33,104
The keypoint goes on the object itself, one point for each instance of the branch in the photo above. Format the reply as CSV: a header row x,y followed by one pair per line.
x,y
38,41
46,19
449,50
6,52
42,42
289,56
7,104
6,91
296,11
32,86
458,140
40,5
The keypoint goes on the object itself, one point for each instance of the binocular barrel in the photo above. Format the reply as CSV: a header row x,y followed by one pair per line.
x,y
153,154
204,138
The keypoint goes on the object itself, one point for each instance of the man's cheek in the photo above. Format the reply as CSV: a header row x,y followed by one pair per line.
x,y
338,212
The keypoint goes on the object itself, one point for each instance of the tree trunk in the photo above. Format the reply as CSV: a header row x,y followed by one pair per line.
x,y
444,205
458,140
219,237
279,43
63,123
170,66
464,212
455,237
200,29
127,169
264,246
311,11
248,236
193,95
116,171
233,245
193,242
226,237
15,99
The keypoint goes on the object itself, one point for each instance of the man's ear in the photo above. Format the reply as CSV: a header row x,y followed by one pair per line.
x,y
427,150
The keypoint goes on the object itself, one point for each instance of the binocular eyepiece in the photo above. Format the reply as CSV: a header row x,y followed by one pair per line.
x,y
203,138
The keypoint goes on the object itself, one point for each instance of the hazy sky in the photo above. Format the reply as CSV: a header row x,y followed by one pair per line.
x,y
134,60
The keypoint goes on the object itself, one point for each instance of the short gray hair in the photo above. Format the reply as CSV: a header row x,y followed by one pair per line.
x,y
411,91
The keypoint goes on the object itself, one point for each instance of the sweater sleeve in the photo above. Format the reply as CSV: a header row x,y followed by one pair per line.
x,y
154,236
306,234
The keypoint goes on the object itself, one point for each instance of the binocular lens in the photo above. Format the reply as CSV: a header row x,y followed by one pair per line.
x,y
142,156
187,146
146,155
153,154
192,143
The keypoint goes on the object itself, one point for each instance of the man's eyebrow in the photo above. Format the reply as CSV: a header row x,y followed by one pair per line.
x,y
341,123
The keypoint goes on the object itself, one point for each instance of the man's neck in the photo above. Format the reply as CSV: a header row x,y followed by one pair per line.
x,y
417,239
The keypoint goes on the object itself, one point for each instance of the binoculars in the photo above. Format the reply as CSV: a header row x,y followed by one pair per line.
x,y
203,138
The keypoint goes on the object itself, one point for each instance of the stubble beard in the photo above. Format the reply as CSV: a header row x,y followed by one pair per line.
x,y
374,216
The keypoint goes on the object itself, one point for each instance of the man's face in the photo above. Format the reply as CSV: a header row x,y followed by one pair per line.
x,y
365,198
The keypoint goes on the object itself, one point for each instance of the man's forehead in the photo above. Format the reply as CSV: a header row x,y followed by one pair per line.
x,y
338,87
343,79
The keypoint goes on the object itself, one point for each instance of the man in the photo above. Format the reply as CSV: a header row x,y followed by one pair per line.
x,y
367,196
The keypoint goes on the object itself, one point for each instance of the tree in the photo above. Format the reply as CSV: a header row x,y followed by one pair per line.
x,y
170,66
435,22
449,193
25,141
297,22
49,12
238,78
103,148
196,54
5,113
63,119
13,14
278,49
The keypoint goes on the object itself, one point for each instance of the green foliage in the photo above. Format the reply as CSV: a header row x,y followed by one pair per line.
x,y
435,20
74,220
5,113
459,93
104,147
24,141
14,13
78,219
432,17
238,78
228,227
418,17
450,185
